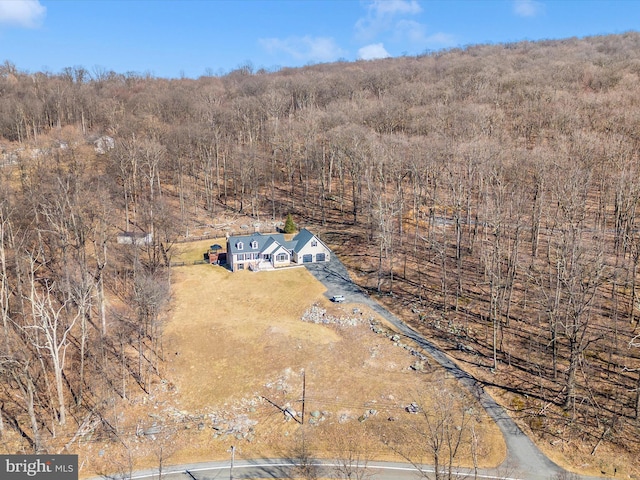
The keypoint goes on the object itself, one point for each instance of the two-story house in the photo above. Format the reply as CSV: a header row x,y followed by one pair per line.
x,y
268,251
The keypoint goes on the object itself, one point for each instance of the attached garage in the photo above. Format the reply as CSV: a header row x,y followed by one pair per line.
x,y
307,248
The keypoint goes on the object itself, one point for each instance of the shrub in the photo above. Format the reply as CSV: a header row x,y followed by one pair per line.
x,y
289,226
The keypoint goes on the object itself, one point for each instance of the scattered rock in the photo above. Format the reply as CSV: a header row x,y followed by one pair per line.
x,y
103,144
316,314
412,408
152,430
289,413
418,366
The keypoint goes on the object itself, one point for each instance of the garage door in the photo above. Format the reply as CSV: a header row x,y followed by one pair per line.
x,y
307,258
320,257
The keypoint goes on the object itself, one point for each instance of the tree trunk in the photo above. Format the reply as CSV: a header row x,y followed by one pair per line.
x,y
570,384
637,410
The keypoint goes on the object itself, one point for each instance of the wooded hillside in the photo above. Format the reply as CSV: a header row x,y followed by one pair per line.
x,y
488,194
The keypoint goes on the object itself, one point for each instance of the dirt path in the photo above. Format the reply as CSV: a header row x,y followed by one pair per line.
x,y
524,458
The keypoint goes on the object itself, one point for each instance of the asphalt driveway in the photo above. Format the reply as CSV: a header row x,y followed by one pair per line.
x,y
524,458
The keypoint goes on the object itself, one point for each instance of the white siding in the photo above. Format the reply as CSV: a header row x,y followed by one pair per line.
x,y
308,249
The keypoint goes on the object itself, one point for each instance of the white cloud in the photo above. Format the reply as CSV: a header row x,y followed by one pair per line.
x,y
395,22
307,48
415,35
527,8
22,13
381,16
414,32
392,7
373,51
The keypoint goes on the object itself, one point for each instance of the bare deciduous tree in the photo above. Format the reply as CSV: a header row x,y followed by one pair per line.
x,y
440,434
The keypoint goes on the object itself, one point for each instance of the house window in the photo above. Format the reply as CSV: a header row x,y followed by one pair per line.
x,y
240,256
314,243
282,257
254,245
239,245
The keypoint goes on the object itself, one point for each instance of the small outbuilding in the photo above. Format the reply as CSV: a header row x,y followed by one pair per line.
x,y
214,254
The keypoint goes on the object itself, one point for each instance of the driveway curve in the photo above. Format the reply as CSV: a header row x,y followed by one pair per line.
x,y
524,459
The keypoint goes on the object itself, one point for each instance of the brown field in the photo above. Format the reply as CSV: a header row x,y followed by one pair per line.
x,y
235,340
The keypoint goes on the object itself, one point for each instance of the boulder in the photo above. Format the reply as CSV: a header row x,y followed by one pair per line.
x,y
412,408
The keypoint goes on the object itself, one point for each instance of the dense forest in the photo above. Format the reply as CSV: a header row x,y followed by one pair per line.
x,y
486,194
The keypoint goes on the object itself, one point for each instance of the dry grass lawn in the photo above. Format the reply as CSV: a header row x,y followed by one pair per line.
x,y
234,340
230,333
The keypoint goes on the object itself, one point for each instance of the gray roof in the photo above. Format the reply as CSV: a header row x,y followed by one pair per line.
x,y
303,237
262,241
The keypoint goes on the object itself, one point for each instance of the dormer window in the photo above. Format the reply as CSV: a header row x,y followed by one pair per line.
x,y
254,245
239,245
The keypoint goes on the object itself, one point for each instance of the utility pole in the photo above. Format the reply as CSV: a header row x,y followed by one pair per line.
x,y
287,411
304,388
233,456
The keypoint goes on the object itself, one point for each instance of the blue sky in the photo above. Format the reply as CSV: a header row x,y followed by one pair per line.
x,y
174,38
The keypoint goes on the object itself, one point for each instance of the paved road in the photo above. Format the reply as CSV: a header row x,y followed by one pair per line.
x,y
524,458
282,468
